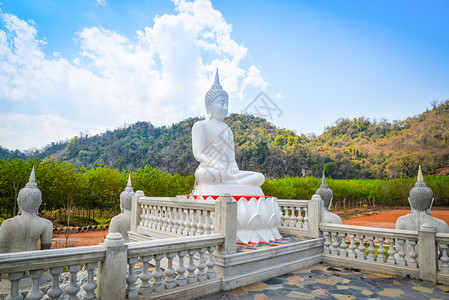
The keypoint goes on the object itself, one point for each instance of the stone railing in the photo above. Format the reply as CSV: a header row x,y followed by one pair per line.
x,y
173,217
189,272
295,213
442,240
35,263
390,251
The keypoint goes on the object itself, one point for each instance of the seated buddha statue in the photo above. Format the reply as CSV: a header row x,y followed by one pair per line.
x,y
327,195
213,148
420,199
122,222
22,232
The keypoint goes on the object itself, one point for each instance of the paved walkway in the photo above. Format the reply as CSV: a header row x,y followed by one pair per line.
x,y
326,282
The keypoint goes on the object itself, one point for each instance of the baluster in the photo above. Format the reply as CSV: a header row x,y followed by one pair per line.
x,y
145,287
14,292
401,253
202,275
351,248
149,218
212,214
191,277
181,280
343,245
371,256
131,288
169,219
181,221
170,272
306,218
175,217
327,242
381,251
391,259
158,285
36,293
90,286
207,223
164,224
200,224
292,217
211,264
300,219
361,253
143,216
444,258
55,291
157,217
412,255
186,222
335,244
192,230
284,216
154,216
73,287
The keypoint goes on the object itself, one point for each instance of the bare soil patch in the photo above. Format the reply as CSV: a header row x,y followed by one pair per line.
x,y
387,219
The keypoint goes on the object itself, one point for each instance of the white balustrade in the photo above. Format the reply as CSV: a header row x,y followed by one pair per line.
x,y
369,244
34,263
196,252
442,240
171,215
292,213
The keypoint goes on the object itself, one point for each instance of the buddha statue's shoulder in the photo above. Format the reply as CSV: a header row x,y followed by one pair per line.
x,y
200,125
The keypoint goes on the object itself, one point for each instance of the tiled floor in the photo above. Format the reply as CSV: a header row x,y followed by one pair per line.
x,y
286,239
326,282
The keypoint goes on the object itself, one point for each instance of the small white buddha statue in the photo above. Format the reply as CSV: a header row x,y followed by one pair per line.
x,y
122,222
22,232
213,148
327,195
420,199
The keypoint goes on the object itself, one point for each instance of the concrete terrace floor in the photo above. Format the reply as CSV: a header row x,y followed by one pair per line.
x,y
327,282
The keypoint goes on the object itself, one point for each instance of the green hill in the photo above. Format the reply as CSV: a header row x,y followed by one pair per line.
x,y
357,148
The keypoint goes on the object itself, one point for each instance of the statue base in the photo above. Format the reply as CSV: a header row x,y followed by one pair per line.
x,y
258,217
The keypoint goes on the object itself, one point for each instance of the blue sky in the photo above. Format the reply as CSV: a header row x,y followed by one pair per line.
x,y
72,66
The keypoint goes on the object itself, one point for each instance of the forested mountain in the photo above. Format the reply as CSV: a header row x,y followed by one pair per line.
x,y
357,148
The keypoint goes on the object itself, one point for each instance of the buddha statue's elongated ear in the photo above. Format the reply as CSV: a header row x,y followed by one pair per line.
x,y
330,204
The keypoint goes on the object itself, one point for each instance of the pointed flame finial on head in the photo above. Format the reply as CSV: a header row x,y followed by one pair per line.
x,y
217,78
323,180
32,182
216,85
420,177
129,180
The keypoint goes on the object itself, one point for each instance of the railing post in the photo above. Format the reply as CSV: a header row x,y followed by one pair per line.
x,y
136,211
315,216
225,222
427,253
111,276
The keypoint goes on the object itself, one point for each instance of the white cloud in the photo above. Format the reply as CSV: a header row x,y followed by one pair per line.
x,y
101,2
161,76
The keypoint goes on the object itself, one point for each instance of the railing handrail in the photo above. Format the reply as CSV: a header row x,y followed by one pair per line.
x,y
442,237
176,202
174,244
384,232
36,260
292,202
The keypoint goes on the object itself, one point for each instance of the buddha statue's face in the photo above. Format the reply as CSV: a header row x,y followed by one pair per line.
x,y
219,108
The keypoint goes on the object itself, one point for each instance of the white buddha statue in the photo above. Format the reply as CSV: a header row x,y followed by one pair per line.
x,y
22,232
420,199
213,148
327,195
122,222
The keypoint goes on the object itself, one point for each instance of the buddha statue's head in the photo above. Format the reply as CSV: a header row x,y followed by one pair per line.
x,y
30,197
126,196
216,100
421,197
325,193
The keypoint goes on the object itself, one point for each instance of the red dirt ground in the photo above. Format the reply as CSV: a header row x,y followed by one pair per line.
x,y
387,219
384,219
